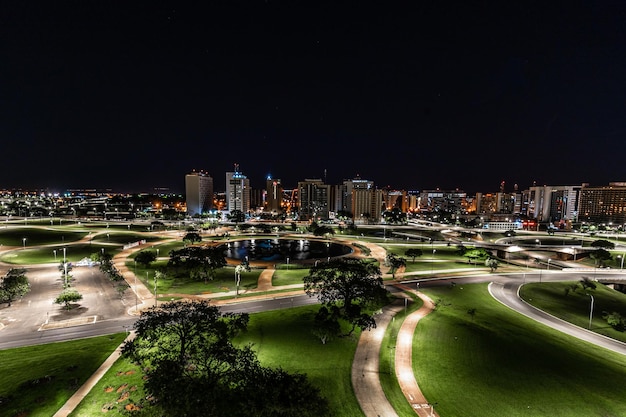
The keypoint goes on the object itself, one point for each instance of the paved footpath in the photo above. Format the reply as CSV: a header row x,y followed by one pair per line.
x,y
78,396
366,365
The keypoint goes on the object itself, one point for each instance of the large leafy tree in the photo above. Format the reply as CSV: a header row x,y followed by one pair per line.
x,y
67,297
349,288
145,257
600,256
198,262
194,369
603,244
394,216
395,262
14,284
413,253
236,216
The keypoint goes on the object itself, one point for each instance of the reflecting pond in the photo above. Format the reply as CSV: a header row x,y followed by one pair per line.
x,y
281,249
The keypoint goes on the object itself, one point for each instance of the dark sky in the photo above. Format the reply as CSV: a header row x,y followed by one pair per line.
x,y
132,95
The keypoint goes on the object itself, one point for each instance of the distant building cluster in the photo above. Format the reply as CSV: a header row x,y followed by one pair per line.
x,y
557,206
356,200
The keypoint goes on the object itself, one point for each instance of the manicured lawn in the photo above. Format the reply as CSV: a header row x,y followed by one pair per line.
x,y
575,306
289,276
37,380
500,363
73,253
281,338
14,235
224,280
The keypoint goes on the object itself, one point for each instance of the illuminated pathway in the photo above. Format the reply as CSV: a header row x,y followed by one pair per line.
x,y
404,363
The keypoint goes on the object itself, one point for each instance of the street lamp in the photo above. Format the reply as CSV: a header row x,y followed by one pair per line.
x,y
155,286
287,262
590,310
24,242
136,301
549,260
55,254
238,270
538,242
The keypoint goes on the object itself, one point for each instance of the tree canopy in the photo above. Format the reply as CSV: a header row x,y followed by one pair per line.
x,y
194,369
346,287
145,257
198,262
14,284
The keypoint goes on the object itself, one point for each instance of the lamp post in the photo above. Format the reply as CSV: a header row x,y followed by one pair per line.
x,y
238,269
155,286
55,254
590,310
549,260
288,262
24,242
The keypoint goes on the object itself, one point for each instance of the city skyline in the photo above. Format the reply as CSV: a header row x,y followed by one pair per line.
x,y
132,96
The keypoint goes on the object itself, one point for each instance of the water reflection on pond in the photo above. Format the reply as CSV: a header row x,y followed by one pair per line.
x,y
281,249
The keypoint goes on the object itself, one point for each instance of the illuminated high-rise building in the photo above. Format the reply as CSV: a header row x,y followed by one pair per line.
x,y
237,191
198,192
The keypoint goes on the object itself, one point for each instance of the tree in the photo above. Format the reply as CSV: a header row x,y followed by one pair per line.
x,y
492,263
413,253
13,285
67,297
475,254
198,262
600,255
193,368
326,231
588,284
603,244
236,216
145,257
395,263
394,216
192,237
347,287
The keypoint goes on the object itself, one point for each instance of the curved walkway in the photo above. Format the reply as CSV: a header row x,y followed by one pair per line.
x,y
366,363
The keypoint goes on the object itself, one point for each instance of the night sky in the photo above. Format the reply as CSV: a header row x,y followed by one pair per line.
x,y
133,95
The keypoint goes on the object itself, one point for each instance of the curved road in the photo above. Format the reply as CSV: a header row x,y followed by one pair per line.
x,y
507,293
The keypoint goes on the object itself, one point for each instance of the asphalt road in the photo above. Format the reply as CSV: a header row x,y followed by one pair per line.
x,y
37,320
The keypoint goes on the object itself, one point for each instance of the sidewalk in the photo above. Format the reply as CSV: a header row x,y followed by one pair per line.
x,y
78,396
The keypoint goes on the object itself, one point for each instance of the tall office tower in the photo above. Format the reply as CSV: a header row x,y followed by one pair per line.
x,y
551,203
313,197
354,184
198,192
367,205
237,191
450,201
605,204
273,195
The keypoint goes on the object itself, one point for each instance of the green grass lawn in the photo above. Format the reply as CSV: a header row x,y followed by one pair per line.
x,y
500,363
37,380
281,338
575,306
15,235
224,280
289,276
